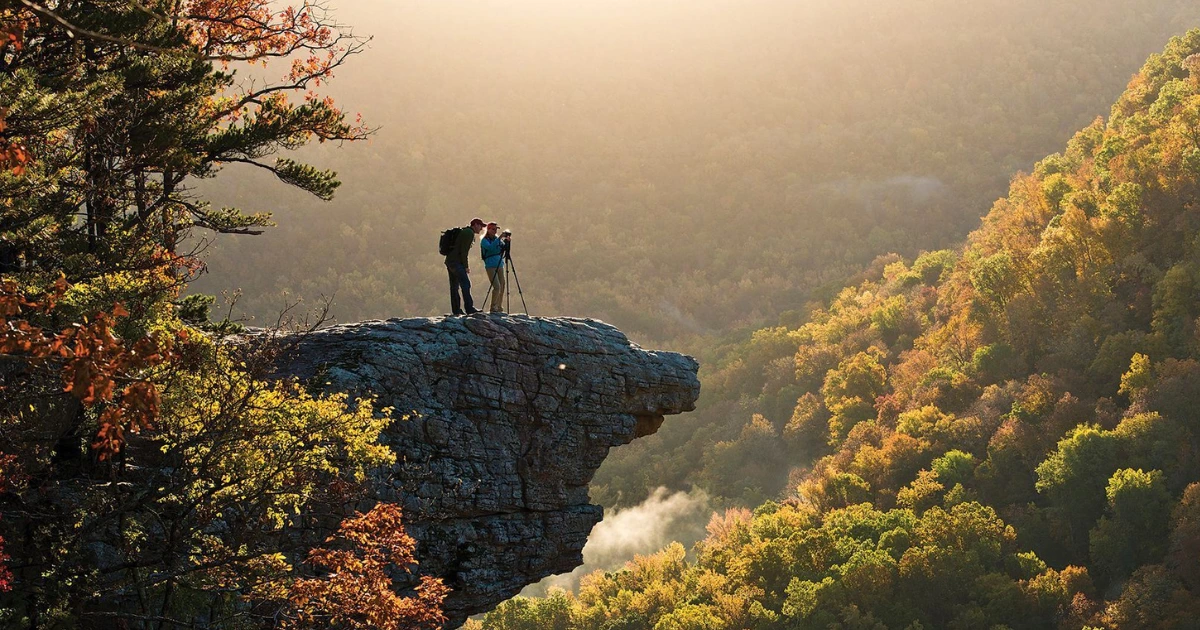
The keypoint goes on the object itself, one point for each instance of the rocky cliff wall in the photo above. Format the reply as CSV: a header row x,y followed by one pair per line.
x,y
509,418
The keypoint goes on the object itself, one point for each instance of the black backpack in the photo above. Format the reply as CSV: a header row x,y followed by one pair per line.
x,y
446,243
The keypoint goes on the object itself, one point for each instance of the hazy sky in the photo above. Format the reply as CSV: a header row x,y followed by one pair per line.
x,y
625,118
559,45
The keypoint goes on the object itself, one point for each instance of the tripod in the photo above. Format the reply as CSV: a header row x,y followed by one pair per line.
x,y
509,268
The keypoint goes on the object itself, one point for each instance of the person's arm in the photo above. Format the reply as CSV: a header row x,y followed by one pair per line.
x,y
466,238
488,248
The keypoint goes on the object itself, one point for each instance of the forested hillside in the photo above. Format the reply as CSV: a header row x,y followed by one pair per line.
x,y
679,168
1003,435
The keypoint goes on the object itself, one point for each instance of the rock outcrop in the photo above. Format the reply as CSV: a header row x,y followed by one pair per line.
x,y
509,418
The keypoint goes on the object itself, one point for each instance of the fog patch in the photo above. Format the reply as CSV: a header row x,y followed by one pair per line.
x,y
643,529
685,320
921,188
869,191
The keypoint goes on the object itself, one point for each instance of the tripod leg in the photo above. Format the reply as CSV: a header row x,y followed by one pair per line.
x,y
519,291
490,286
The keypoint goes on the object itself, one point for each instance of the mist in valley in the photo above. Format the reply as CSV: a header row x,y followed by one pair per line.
x,y
664,517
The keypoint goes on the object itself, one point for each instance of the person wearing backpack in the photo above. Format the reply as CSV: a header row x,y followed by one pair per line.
x,y
493,249
455,244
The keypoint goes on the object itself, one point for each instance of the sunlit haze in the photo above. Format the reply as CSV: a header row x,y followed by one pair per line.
x,y
672,167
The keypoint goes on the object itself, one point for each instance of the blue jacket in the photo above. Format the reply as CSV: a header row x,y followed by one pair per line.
x,y
492,250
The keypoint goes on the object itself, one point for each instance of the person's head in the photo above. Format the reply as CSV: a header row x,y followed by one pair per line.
x,y
477,224
491,229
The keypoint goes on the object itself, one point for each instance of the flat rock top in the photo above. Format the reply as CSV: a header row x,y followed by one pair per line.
x,y
508,418
495,339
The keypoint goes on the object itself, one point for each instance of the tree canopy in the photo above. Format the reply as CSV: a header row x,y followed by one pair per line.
x,y
998,435
151,475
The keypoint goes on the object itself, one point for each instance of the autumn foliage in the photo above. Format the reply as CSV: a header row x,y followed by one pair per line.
x,y
357,591
1000,435
13,23
98,368
165,477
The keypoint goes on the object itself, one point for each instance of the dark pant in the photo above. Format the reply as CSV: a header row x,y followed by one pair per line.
x,y
459,278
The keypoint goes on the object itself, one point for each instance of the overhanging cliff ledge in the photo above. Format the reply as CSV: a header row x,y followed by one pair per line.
x,y
510,418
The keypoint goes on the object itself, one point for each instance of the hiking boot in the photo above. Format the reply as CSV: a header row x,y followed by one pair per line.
x,y
456,313
472,311
496,312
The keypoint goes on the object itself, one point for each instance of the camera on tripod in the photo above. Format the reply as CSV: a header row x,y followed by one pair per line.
x,y
509,266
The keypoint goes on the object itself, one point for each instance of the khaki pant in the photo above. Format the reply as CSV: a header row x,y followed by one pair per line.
x,y
496,277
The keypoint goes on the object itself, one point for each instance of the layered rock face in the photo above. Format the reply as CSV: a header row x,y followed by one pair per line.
x,y
508,419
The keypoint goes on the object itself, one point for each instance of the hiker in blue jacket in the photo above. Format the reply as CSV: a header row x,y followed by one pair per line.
x,y
493,248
